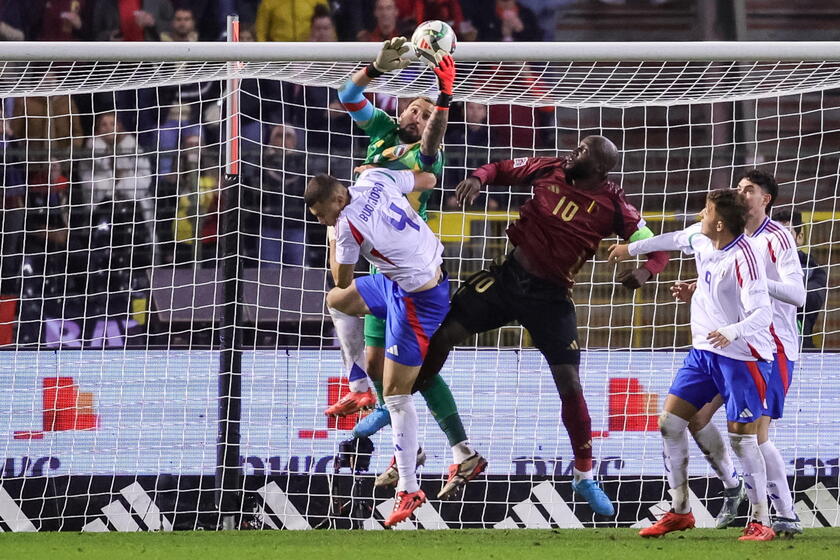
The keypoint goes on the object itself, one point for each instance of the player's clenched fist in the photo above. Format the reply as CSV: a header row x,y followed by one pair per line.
x,y
468,190
682,291
390,56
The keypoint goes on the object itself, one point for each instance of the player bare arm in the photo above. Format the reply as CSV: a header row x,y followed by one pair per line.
x,y
515,172
433,135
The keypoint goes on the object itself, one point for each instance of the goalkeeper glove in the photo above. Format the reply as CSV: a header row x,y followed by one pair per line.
x,y
389,58
445,72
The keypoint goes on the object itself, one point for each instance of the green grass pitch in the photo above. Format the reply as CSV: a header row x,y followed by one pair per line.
x,y
588,544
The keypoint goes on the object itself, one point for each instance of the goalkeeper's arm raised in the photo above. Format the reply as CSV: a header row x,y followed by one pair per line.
x,y
351,94
436,128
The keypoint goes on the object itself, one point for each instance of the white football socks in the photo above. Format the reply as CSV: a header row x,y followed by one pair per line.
x,y
404,435
462,451
351,337
675,442
710,442
746,448
581,475
777,482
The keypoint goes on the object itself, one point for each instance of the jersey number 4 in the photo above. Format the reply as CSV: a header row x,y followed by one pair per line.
x,y
403,220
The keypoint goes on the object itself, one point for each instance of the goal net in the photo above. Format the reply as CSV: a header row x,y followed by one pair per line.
x,y
166,356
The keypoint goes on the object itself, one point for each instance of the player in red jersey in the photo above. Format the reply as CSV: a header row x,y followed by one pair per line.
x,y
574,207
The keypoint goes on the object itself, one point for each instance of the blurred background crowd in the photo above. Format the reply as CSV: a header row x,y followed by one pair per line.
x,y
100,187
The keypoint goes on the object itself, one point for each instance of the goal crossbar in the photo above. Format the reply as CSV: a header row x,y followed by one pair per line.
x,y
758,51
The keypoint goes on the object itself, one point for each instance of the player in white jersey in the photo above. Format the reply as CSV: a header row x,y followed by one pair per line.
x,y
731,352
778,253
373,218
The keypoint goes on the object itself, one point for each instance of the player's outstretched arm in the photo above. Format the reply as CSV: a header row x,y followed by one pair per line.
x,y
673,241
436,127
517,172
351,94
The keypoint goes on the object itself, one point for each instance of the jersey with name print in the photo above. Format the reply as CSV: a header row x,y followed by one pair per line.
x,y
380,224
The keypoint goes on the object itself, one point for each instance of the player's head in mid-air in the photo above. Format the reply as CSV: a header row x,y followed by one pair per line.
x,y
725,214
413,120
759,190
589,164
326,197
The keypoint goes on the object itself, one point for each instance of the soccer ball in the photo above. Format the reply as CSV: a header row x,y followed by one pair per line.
x,y
431,37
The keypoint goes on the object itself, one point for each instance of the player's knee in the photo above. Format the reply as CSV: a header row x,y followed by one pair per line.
x,y
334,298
697,423
671,425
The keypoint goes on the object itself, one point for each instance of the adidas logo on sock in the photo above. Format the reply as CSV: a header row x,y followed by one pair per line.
x,y
393,350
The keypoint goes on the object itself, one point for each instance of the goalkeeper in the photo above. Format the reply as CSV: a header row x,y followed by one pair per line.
x,y
412,141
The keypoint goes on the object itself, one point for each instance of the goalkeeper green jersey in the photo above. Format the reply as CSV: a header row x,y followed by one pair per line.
x,y
386,150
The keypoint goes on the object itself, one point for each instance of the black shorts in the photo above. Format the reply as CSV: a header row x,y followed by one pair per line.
x,y
507,292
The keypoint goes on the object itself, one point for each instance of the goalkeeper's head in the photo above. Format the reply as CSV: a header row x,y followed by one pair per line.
x,y
326,197
414,118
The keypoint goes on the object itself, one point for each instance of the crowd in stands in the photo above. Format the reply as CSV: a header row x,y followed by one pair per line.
x,y
160,148
133,177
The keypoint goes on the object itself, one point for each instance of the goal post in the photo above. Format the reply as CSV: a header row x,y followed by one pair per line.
x,y
123,258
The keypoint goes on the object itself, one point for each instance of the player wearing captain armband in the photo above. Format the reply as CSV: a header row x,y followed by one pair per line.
x,y
731,355
413,141
778,255
411,294
574,207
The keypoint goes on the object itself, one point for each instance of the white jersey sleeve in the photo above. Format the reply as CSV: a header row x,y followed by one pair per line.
x,y
347,249
682,240
790,286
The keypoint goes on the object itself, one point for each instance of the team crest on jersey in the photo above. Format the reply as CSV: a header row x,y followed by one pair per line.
x,y
519,162
396,152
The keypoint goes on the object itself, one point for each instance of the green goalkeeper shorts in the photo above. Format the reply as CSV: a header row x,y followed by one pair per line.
x,y
374,331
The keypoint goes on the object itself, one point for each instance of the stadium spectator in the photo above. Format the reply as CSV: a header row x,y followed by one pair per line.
x,y
285,20
246,35
13,21
130,20
386,19
418,11
322,26
177,126
60,20
815,277
183,27
282,238
116,168
351,17
509,21
195,225
47,127
547,12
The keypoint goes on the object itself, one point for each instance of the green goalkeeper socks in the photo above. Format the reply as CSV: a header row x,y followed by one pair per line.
x,y
442,405
377,385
